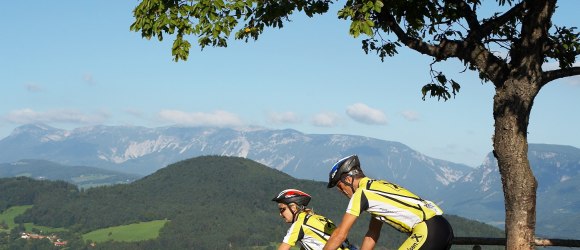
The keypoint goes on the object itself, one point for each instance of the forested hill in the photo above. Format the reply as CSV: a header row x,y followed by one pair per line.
x,y
212,203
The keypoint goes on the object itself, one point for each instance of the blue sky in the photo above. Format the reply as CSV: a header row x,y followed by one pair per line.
x,y
72,64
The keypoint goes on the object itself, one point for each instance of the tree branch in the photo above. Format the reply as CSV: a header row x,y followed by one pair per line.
x,y
468,51
470,15
528,50
551,75
496,40
446,49
487,27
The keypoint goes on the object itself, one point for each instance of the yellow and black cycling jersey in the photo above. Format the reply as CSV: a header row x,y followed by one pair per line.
x,y
311,231
391,204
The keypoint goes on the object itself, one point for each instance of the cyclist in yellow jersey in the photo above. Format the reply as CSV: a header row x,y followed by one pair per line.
x,y
387,203
309,229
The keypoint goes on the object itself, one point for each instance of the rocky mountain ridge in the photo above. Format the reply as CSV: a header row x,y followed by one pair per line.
x,y
142,151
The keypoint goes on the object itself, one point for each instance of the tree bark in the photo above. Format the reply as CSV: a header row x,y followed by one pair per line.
x,y
512,106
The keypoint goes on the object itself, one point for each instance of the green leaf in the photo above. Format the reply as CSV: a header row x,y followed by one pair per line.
x,y
355,28
366,29
370,23
378,6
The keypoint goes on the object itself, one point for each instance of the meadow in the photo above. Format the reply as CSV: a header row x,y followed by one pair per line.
x,y
127,233
8,218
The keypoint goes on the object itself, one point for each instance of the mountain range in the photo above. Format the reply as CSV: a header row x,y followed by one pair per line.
x,y
139,150
474,193
556,168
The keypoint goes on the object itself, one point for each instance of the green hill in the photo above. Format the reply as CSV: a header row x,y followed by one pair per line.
x,y
210,202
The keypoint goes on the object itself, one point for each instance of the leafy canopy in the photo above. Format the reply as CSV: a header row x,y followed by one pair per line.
x,y
441,29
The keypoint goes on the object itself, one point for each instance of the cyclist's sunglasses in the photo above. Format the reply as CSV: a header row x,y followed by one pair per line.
x,y
282,209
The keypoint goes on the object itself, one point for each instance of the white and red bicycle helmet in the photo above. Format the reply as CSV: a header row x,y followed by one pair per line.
x,y
289,196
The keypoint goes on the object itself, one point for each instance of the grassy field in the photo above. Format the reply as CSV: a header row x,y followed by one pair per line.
x,y
133,232
42,229
9,215
128,233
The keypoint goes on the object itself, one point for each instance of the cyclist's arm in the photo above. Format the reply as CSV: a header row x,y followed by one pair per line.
x,y
284,246
372,235
341,232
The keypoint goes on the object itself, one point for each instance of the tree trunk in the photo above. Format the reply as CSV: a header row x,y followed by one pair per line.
x,y
512,106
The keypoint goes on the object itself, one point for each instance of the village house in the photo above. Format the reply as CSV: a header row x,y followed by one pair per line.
x,y
53,238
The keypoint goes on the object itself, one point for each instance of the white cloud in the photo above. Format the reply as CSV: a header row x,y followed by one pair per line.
x,y
410,115
215,119
364,114
33,87
23,116
325,120
284,118
89,79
